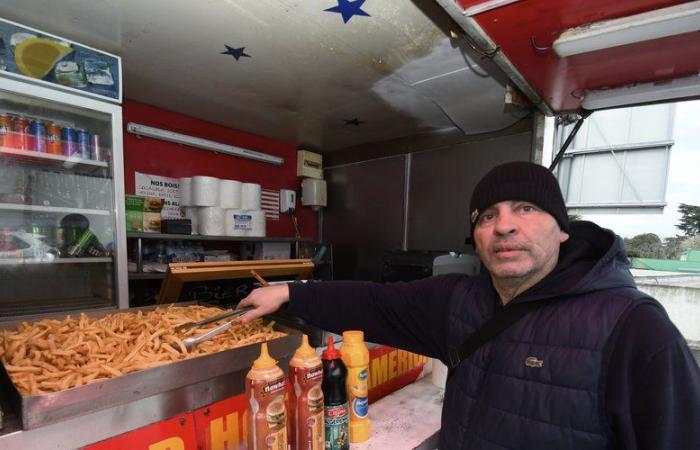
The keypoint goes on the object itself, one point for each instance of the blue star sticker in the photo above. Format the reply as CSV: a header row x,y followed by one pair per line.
x,y
357,122
348,9
235,52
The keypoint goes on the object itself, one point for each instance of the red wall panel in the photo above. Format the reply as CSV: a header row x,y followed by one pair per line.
x,y
157,157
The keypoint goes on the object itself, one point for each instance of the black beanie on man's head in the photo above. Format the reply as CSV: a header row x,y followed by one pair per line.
x,y
522,181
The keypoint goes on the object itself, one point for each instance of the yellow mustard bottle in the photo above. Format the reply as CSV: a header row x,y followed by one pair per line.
x,y
265,391
356,358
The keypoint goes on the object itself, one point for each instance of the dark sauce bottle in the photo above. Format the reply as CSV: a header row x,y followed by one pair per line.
x,y
336,411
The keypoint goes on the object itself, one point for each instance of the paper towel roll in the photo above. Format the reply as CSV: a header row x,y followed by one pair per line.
x,y
257,223
230,194
237,222
250,196
205,191
191,213
185,191
211,221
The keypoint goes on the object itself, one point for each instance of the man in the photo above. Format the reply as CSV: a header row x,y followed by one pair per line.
x,y
597,364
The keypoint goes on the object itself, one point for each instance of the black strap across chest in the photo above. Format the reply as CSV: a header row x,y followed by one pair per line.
x,y
501,320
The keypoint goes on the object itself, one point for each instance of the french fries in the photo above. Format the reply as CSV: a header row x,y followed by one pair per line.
x,y
52,355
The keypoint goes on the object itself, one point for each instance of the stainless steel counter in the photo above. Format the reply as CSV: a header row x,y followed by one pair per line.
x,y
406,419
91,413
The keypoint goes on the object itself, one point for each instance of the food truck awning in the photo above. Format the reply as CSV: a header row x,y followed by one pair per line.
x,y
572,55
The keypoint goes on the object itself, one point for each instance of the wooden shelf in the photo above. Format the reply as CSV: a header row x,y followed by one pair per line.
x,y
197,237
53,209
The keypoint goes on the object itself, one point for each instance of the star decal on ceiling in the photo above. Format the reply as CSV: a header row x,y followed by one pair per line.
x,y
348,9
235,52
354,121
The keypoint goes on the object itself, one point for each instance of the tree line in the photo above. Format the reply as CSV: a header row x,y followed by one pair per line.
x,y
649,245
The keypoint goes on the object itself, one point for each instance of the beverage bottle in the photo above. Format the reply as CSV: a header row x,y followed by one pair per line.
x,y
356,358
267,418
335,399
306,413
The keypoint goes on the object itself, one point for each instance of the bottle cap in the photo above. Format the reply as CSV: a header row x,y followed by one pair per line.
x,y
264,361
330,352
353,336
305,350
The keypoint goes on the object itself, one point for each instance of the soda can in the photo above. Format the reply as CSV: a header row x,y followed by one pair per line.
x,y
83,144
37,136
69,139
6,139
20,133
53,139
96,149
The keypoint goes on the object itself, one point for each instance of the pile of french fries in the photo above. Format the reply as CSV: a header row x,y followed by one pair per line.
x,y
52,355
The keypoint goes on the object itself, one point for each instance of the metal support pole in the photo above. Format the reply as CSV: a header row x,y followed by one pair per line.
x,y
568,141
139,256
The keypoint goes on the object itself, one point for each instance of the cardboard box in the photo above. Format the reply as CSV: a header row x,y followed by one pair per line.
x,y
309,164
143,213
266,250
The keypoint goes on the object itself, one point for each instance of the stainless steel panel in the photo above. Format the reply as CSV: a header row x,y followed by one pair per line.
x,y
100,425
364,215
40,410
442,182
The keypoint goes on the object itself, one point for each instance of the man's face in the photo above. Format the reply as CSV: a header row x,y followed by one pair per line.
x,y
518,241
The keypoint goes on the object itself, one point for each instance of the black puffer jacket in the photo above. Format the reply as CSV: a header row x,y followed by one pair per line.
x,y
616,373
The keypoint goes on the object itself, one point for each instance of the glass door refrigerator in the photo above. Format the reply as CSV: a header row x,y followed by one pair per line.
x,y
62,228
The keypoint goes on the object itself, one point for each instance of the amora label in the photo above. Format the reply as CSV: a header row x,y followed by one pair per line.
x,y
360,407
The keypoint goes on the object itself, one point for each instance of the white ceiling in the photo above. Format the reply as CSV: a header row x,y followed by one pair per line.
x,y
396,70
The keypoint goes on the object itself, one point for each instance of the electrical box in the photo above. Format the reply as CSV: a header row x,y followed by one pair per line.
x,y
313,193
309,164
288,200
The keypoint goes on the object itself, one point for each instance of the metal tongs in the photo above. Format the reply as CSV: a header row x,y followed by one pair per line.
x,y
192,341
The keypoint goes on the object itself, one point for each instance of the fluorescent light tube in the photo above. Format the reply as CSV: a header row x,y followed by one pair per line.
x,y
636,94
486,6
178,138
671,21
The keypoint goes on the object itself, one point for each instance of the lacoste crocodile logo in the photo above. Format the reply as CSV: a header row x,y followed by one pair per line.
x,y
532,361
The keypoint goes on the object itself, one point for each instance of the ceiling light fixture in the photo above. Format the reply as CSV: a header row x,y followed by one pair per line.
x,y
678,88
178,138
671,21
486,6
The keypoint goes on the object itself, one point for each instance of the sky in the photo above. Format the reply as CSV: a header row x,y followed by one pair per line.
x,y
683,181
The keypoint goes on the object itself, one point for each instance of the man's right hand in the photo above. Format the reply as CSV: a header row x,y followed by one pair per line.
x,y
265,300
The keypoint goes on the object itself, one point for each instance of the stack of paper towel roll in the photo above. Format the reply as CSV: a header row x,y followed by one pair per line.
x,y
222,207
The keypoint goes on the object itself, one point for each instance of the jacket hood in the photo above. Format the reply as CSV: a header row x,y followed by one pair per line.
x,y
593,259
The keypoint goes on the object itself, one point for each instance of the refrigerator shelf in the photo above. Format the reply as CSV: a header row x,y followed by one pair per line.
x,y
12,262
53,209
61,162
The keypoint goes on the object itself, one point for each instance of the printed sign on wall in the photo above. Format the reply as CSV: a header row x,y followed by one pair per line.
x,y
162,187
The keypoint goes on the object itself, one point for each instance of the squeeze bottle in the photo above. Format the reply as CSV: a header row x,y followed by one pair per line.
x,y
336,399
356,358
306,412
265,389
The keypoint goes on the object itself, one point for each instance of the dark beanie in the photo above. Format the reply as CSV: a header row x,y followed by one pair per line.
x,y
522,181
